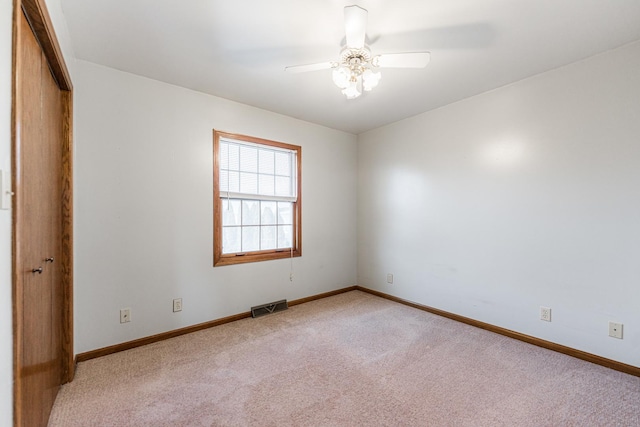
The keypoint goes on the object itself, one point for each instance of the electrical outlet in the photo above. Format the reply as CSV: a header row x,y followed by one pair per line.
x,y
615,330
545,314
177,305
125,315
390,279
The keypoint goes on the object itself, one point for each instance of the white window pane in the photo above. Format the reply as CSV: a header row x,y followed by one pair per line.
x,y
266,161
224,155
285,213
268,214
249,183
233,152
268,237
230,240
250,239
283,164
233,179
230,212
248,159
250,212
224,181
284,236
266,185
283,186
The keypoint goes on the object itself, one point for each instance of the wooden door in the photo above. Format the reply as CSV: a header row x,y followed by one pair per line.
x,y
41,302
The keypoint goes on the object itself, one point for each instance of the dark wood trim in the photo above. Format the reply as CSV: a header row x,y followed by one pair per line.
x,y
220,259
579,354
68,366
254,257
40,21
297,208
320,296
217,212
82,357
612,364
158,337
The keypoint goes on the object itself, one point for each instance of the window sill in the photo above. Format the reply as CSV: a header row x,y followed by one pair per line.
x,y
232,259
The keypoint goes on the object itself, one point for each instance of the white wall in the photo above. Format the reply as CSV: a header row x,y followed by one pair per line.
x,y
524,196
144,162
6,328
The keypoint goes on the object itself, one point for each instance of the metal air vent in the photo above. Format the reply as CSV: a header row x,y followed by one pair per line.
x,y
271,307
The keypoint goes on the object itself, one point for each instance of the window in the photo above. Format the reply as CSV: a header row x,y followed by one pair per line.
x,y
256,199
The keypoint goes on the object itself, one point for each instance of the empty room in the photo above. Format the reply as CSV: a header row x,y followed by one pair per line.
x,y
320,213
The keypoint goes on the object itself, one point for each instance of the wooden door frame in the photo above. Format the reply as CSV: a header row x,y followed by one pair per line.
x,y
38,17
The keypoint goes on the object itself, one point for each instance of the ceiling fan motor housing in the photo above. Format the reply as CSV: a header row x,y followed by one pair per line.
x,y
356,59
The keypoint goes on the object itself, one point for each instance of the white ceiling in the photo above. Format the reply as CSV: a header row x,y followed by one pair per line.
x,y
237,49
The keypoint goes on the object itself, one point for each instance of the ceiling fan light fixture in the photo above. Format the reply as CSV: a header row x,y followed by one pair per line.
x,y
370,79
341,77
352,91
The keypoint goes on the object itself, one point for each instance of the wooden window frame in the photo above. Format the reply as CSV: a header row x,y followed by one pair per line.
x,y
220,259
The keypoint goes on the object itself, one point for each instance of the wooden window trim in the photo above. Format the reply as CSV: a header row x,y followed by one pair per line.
x,y
220,259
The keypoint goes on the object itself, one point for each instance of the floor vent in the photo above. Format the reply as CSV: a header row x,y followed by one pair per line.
x,y
272,307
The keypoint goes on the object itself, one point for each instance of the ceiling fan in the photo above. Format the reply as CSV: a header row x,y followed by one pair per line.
x,y
357,68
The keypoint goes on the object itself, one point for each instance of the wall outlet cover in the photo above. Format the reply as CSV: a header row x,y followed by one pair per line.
x,y
125,315
615,330
545,314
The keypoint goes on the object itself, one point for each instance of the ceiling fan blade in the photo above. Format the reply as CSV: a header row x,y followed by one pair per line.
x,y
309,67
355,26
404,60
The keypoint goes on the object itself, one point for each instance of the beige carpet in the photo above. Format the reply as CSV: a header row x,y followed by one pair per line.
x,y
349,360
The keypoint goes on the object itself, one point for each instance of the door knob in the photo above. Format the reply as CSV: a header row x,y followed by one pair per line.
x,y
37,270
50,259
